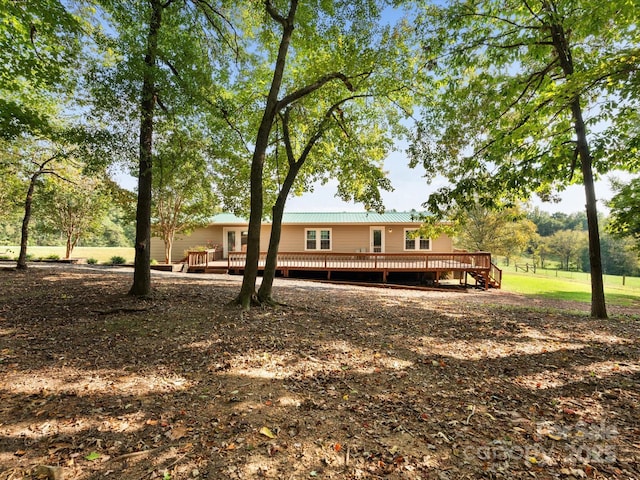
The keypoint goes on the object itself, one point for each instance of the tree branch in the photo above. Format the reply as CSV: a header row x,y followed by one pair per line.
x,y
292,97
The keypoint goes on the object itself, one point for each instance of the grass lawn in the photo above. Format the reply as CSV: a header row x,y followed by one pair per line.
x,y
577,289
102,254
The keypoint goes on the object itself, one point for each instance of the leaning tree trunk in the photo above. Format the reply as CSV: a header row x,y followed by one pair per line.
x,y
24,238
563,50
142,270
271,262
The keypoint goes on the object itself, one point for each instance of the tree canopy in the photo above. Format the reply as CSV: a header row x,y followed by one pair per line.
x,y
522,86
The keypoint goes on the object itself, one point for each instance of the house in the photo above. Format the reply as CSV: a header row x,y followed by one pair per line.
x,y
381,243
346,232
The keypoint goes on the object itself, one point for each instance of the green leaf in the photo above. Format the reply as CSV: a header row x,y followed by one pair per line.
x,y
92,456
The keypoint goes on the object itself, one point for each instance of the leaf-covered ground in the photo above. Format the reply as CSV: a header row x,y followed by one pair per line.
x,y
344,383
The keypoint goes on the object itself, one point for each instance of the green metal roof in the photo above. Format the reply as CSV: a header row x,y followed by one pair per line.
x,y
332,218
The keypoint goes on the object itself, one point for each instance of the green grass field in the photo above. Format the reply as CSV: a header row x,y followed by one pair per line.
x,y
102,254
571,286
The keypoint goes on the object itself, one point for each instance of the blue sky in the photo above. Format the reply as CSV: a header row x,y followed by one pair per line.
x,y
411,190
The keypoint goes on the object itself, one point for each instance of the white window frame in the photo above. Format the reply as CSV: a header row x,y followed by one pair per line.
x,y
417,240
318,231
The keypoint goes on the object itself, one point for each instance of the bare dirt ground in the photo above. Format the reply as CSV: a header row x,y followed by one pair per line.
x,y
343,383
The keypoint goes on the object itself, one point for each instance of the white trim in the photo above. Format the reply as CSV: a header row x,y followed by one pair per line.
x,y
318,231
225,239
382,245
417,240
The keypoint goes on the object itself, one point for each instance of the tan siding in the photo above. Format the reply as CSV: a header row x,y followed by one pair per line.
x,y
443,243
182,243
350,238
344,238
292,238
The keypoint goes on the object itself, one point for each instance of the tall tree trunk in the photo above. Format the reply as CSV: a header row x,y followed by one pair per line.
x,y
142,270
271,262
563,50
24,238
598,302
69,248
248,289
168,246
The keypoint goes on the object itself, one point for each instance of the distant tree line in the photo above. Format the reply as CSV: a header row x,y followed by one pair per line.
x,y
545,237
564,237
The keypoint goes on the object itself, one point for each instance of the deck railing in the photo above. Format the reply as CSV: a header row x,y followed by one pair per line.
x,y
372,261
495,274
202,258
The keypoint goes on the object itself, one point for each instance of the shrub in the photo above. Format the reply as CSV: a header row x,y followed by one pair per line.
x,y
117,260
53,256
92,261
154,261
5,257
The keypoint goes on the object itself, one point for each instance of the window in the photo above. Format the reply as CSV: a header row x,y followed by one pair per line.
x,y
413,242
317,239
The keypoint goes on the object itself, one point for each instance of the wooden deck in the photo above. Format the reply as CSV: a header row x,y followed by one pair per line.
x,y
476,265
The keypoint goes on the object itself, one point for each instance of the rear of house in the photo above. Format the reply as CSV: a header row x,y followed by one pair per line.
x,y
347,232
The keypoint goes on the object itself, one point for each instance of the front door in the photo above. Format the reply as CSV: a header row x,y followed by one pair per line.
x,y
376,240
234,240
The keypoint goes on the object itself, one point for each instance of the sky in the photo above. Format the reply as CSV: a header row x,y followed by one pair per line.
x,y
412,190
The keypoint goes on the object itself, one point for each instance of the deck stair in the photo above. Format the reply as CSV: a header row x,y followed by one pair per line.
x,y
492,280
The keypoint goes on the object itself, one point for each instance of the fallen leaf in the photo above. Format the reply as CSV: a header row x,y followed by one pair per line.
x,y
177,433
92,456
267,432
337,447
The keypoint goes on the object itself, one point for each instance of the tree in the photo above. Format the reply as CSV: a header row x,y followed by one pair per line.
x,y
541,250
39,46
33,160
516,81
287,23
148,97
74,207
619,257
182,186
503,232
568,245
163,67
338,70
549,223
624,220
